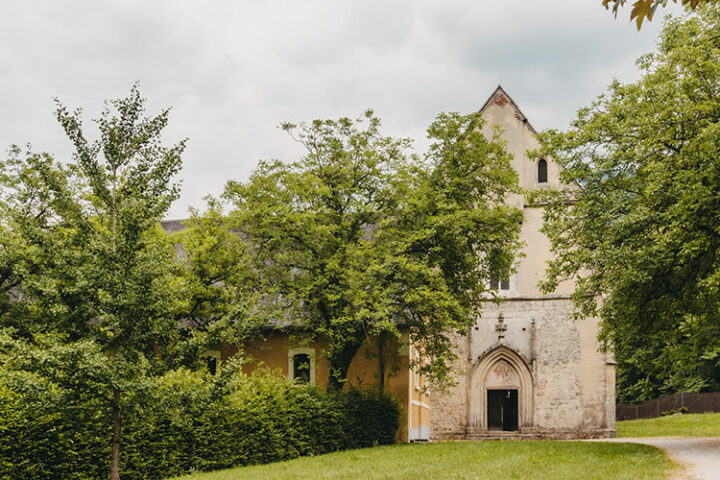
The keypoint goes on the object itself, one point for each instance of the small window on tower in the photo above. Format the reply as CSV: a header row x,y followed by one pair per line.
x,y
542,171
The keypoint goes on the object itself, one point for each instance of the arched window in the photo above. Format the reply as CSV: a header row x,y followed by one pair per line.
x,y
542,171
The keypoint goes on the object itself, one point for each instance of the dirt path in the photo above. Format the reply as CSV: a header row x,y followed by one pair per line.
x,y
699,455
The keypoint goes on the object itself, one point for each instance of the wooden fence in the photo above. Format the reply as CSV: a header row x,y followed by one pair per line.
x,y
694,402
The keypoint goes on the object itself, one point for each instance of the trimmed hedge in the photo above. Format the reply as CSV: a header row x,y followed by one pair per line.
x,y
191,422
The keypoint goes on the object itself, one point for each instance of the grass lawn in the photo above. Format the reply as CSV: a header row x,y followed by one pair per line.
x,y
517,460
688,425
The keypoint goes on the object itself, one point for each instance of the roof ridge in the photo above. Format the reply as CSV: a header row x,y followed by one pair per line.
x,y
500,91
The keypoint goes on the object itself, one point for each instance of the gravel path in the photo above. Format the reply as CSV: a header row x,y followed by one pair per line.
x,y
699,455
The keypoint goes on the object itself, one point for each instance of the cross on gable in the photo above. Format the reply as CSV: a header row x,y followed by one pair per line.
x,y
500,328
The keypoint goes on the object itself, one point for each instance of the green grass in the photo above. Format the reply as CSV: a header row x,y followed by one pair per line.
x,y
688,425
537,460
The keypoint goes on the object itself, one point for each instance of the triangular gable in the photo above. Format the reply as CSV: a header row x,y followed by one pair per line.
x,y
501,98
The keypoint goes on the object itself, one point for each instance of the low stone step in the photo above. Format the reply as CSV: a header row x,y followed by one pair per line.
x,y
503,436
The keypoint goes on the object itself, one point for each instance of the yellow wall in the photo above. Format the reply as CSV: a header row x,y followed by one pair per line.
x,y
272,352
419,404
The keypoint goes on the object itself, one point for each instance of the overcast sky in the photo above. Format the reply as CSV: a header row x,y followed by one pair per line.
x,y
233,70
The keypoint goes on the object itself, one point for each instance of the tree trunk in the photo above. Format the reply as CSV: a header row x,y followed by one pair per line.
x,y
340,364
381,363
117,430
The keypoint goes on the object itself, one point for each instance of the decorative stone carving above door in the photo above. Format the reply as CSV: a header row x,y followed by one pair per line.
x,y
502,375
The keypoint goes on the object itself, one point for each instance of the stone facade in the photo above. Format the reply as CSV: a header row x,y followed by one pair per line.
x,y
526,368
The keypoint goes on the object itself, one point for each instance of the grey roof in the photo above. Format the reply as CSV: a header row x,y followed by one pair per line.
x,y
172,226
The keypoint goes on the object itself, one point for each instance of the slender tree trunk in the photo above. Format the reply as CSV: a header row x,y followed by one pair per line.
x,y
117,413
117,435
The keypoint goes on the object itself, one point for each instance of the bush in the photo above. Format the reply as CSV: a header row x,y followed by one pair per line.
x,y
191,421
44,434
674,411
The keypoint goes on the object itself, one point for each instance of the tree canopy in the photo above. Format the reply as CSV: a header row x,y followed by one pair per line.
x,y
645,9
642,232
358,238
91,291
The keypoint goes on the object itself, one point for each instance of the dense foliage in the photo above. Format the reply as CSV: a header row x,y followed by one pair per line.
x,y
86,267
191,421
359,238
642,230
100,309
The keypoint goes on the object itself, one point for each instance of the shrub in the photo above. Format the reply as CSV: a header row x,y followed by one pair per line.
x,y
674,411
190,421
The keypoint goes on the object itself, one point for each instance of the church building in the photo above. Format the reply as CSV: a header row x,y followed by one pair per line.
x,y
524,370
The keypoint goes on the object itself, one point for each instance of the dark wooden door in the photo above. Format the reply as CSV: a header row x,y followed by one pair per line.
x,y
495,409
510,411
502,410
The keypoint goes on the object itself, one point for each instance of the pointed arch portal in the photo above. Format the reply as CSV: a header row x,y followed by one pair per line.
x,y
501,392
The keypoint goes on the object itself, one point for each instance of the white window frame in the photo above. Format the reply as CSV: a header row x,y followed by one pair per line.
x,y
500,290
310,352
416,369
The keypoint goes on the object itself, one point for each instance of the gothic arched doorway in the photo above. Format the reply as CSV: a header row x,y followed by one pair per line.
x,y
501,392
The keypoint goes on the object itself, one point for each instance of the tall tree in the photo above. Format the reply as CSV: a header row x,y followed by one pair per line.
x,y
102,273
641,231
360,239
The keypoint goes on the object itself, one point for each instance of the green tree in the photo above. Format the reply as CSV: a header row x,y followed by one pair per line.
x,y
96,269
640,232
358,238
218,281
32,195
645,9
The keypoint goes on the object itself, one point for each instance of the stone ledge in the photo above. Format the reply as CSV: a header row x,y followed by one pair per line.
x,y
528,434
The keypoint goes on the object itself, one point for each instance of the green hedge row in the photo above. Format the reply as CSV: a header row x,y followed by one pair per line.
x,y
190,421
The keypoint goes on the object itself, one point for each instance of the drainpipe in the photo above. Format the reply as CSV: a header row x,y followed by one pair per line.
x,y
532,345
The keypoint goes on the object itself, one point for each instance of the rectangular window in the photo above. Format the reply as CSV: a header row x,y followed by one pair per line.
x,y
212,361
501,283
301,365
417,380
301,368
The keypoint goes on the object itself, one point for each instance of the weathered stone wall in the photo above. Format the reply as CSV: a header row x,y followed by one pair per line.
x,y
573,383
449,409
558,383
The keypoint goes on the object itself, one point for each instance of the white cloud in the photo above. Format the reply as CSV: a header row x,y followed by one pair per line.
x,y
233,70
